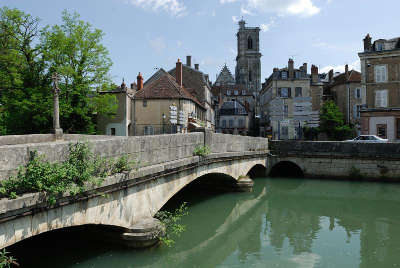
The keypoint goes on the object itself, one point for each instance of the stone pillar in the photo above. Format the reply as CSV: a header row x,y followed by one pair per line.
x,y
244,184
58,132
145,233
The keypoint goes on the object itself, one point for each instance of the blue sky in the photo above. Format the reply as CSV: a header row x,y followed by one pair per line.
x,y
145,34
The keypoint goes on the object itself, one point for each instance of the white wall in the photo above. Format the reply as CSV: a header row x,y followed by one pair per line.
x,y
389,121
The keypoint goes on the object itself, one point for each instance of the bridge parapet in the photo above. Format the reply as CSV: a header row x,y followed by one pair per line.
x,y
336,149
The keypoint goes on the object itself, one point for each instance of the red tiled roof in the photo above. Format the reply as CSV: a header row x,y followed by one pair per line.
x,y
163,86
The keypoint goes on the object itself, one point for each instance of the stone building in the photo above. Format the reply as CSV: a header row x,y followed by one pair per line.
x,y
290,99
345,90
224,90
248,60
380,78
120,123
146,109
198,84
233,118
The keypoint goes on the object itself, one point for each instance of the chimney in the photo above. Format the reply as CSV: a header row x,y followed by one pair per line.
x,y
291,68
132,85
179,72
274,70
367,43
139,82
346,72
314,74
305,68
189,61
196,66
330,76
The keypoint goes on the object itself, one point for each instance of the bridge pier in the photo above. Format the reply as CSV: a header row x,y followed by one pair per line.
x,y
244,184
143,234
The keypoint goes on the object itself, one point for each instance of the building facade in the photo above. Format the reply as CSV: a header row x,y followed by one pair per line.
x,y
380,78
233,118
290,100
346,91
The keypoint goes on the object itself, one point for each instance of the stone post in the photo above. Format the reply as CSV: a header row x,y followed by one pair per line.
x,y
58,132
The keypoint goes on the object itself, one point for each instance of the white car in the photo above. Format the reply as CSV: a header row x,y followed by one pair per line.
x,y
368,138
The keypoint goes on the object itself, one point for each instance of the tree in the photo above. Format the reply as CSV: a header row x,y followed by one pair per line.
x,y
28,58
332,122
74,50
24,97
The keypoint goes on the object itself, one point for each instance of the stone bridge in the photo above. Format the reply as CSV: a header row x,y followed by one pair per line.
x,y
347,160
126,202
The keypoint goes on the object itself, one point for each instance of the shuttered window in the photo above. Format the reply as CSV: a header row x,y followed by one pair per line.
x,y
381,98
380,73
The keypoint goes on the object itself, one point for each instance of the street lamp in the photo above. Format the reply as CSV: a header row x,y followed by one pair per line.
x,y
163,119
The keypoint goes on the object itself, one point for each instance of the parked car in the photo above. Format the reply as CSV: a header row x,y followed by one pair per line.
x,y
368,138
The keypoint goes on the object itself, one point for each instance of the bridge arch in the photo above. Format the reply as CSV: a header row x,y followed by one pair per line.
x,y
286,169
257,171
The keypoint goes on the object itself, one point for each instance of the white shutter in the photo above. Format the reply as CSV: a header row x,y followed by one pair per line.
x,y
383,73
378,98
355,111
384,98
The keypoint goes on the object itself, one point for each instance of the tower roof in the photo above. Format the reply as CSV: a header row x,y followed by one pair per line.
x,y
225,77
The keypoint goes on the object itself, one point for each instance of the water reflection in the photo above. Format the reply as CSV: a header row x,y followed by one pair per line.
x,y
283,223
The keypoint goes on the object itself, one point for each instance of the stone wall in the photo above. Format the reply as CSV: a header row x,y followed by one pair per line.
x,y
147,150
339,149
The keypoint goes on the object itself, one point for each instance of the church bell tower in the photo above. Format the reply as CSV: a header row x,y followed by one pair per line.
x,y
248,60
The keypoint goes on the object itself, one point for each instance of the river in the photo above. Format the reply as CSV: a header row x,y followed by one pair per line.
x,y
282,223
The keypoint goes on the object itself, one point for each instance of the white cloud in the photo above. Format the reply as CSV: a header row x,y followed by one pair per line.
x,y
174,7
302,8
306,260
179,43
158,44
267,27
340,68
245,11
235,19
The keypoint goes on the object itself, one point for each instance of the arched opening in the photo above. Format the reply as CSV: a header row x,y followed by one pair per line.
x,y
68,246
249,43
286,169
258,171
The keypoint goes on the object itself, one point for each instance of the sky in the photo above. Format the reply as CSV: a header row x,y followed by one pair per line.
x,y
143,35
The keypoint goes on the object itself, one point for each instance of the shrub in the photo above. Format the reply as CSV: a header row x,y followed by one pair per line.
x,y
73,175
171,223
202,150
7,261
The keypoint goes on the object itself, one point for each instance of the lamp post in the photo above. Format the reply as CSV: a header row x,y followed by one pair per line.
x,y
163,120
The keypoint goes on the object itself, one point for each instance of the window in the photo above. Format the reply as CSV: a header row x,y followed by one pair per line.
x,y
241,122
285,131
285,110
230,123
144,103
381,130
298,92
381,98
249,43
380,73
379,47
228,92
224,123
284,92
243,92
148,130
356,111
284,75
113,131
236,92
357,93
397,128
250,76
297,74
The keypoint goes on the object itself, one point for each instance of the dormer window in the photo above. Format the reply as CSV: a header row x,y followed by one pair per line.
x,y
379,47
228,92
249,43
284,75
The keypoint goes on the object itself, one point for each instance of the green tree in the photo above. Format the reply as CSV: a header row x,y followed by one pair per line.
x,y
28,58
332,122
24,97
74,50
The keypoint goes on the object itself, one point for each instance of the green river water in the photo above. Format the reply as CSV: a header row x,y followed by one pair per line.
x,y
282,223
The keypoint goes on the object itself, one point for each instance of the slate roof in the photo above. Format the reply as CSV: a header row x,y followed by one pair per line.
x,y
163,86
225,77
194,81
232,108
354,77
